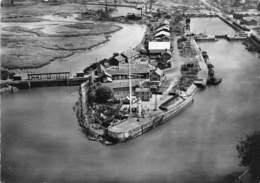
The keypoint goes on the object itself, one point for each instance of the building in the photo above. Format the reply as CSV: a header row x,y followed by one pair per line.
x,y
155,47
162,36
138,71
121,87
250,21
164,23
143,93
163,28
120,59
130,54
156,78
157,75
166,55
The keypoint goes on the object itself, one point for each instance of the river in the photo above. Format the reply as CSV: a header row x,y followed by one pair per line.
x,y
42,142
127,38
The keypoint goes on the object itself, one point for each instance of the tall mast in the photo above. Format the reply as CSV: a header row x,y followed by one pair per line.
x,y
106,9
130,86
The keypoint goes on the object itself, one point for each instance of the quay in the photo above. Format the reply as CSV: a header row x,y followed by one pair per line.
x,y
201,15
255,41
205,39
231,38
216,37
233,24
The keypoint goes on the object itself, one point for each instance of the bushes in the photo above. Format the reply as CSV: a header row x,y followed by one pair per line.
x,y
98,94
249,154
103,94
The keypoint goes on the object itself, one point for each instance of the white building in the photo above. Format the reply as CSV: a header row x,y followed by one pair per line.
x,y
158,47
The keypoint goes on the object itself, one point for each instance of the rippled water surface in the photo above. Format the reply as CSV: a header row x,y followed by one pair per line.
x,y
212,26
42,142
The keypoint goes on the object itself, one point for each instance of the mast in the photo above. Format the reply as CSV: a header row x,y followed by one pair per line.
x,y
106,9
130,87
155,102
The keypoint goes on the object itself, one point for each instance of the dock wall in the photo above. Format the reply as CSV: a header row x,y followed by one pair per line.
x,y
234,25
255,41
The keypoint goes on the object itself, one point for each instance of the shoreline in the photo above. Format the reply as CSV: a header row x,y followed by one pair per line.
x,y
73,51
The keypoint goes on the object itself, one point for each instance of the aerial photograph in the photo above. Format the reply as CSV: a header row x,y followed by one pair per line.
x,y
130,91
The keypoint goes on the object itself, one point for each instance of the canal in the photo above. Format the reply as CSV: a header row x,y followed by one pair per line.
x,y
42,142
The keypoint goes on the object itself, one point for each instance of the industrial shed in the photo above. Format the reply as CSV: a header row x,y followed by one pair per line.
x,y
155,47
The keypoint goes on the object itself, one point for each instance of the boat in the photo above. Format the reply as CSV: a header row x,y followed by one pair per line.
x,y
214,81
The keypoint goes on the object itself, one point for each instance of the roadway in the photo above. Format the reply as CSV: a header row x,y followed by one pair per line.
x,y
205,2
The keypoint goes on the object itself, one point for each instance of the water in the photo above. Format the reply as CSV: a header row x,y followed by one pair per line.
x,y
126,38
212,26
42,142
123,11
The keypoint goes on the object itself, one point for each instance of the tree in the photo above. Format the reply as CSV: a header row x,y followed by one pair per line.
x,y
249,154
103,94
7,2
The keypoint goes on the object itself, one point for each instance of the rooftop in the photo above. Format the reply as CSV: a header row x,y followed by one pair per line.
x,y
123,83
142,90
162,28
159,72
164,33
123,69
153,45
120,58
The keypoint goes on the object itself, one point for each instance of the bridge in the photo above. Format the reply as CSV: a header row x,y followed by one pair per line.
x,y
47,79
49,76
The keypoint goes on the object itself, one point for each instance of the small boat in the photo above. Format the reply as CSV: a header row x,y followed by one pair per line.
x,y
214,81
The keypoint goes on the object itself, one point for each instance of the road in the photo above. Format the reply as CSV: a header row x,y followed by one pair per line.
x,y
209,5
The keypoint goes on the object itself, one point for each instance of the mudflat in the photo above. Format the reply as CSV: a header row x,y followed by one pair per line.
x,y
33,36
